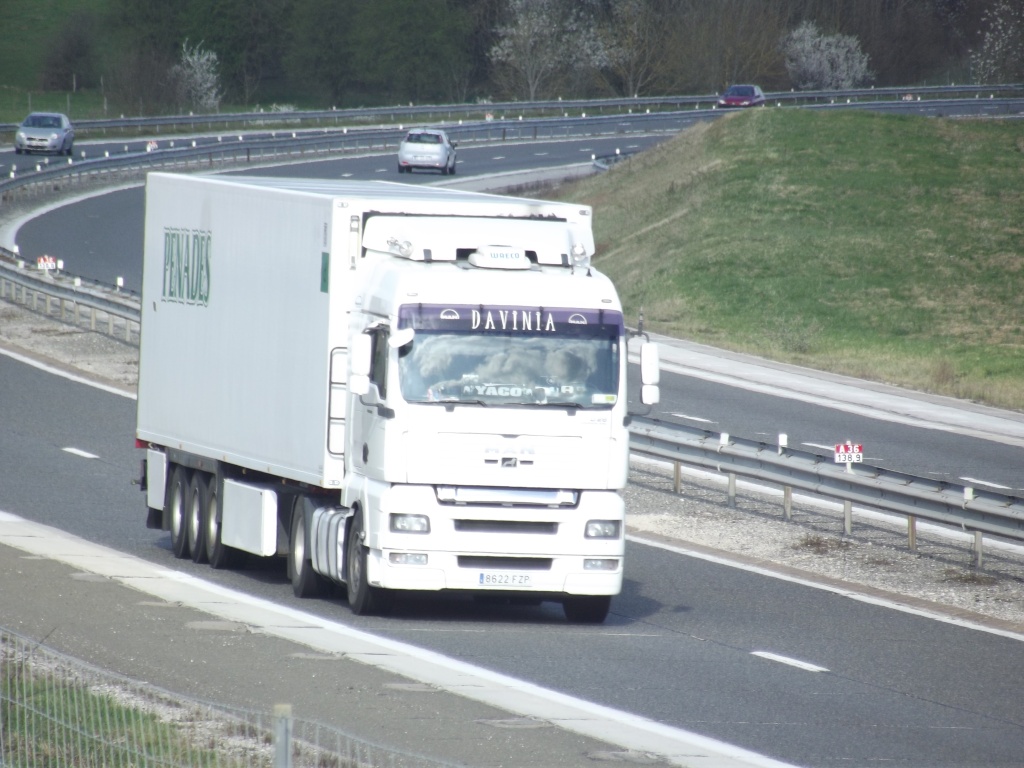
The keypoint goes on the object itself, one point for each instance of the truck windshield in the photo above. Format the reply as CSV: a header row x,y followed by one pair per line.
x,y
511,356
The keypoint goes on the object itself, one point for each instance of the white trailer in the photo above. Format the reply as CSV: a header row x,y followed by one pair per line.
x,y
394,387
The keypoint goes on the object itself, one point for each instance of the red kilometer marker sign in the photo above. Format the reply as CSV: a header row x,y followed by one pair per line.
x,y
847,453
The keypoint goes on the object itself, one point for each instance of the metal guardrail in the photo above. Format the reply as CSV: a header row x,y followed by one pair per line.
x,y
42,175
965,507
962,506
69,299
978,510
364,115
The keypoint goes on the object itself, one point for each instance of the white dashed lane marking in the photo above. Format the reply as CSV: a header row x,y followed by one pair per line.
x,y
791,662
80,452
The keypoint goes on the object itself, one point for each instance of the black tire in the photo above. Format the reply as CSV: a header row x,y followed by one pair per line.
x,y
177,510
305,581
217,553
362,598
444,170
587,610
452,171
195,521
17,150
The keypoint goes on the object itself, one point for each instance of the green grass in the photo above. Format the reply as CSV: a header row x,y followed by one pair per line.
x,y
66,725
885,247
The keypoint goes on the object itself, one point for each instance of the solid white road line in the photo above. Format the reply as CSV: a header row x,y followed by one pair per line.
x,y
674,745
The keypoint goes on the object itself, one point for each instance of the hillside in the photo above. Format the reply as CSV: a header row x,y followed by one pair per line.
x,y
885,247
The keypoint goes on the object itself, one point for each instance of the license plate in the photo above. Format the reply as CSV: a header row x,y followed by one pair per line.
x,y
498,579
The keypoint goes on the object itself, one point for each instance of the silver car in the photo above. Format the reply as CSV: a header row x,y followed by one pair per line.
x,y
45,132
426,148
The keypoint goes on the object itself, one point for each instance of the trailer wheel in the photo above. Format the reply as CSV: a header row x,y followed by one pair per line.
x,y
305,581
196,520
362,598
587,610
177,507
217,553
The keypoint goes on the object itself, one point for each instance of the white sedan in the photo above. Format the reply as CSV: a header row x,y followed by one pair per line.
x,y
426,148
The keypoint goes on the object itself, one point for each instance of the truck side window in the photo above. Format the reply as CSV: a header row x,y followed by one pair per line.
x,y
379,367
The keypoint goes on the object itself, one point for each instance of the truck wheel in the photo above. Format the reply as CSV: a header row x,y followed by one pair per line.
x,y
362,598
196,520
178,509
587,610
305,581
218,555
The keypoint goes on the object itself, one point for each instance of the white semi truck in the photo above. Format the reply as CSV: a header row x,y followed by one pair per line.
x,y
392,386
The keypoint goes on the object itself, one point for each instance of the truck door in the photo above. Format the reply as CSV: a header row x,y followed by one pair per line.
x,y
371,413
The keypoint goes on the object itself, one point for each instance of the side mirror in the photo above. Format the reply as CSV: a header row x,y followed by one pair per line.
x,y
650,374
401,337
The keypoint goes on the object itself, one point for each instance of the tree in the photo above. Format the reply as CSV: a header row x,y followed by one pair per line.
x,y
318,58
544,40
248,38
386,65
633,41
71,62
1000,57
195,77
816,61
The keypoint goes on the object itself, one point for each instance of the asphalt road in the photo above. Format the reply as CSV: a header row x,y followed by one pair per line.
x,y
678,648
679,645
100,238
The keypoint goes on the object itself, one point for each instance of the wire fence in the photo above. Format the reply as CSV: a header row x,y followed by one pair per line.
x,y
59,712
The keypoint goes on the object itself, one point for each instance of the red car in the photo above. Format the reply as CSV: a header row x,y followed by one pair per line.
x,y
742,96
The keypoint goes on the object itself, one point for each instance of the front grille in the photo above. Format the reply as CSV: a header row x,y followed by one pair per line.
x,y
484,563
506,526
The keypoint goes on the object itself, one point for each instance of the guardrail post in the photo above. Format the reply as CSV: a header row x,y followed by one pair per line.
x,y
677,476
787,490
282,736
912,533
978,549
848,516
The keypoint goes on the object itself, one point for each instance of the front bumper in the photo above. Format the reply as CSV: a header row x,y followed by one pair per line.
x,y
485,548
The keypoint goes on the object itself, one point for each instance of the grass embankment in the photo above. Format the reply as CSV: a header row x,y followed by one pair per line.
x,y
889,248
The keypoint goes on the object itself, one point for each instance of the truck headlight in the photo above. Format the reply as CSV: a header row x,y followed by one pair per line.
x,y
409,523
602,529
408,558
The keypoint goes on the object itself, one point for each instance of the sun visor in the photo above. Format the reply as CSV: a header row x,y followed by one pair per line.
x,y
440,238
